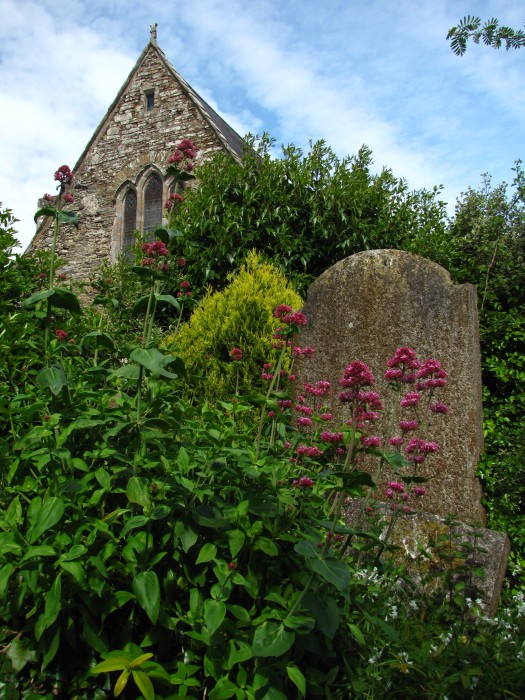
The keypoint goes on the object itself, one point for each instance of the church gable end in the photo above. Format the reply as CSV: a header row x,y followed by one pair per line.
x,y
119,184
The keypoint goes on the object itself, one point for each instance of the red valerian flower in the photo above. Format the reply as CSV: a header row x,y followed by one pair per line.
x,y
236,354
181,262
48,198
185,284
173,199
64,175
61,335
68,198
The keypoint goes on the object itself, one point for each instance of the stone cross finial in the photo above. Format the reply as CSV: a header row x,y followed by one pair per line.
x,y
153,32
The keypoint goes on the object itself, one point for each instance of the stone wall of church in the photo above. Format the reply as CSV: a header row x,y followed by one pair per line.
x,y
129,141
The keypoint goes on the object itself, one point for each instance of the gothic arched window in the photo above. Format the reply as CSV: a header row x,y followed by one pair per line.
x,y
129,221
152,204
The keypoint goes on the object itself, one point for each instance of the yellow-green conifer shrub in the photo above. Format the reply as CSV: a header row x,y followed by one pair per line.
x,y
239,316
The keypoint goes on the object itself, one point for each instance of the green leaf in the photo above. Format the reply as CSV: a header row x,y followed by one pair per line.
x,y
207,553
101,338
58,297
113,664
137,492
53,378
121,682
102,300
155,361
357,634
5,574
50,644
183,459
236,541
48,514
19,654
51,609
144,684
76,569
146,587
224,689
45,211
395,459
326,612
68,217
272,639
266,545
214,612
40,551
307,549
127,372
187,535
334,571
141,305
166,234
297,678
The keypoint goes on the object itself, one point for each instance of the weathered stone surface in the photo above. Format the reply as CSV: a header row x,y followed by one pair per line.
x,y
368,305
432,549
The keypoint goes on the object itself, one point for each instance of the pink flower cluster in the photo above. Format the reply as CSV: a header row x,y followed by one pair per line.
x,y
398,494
153,252
183,156
427,376
285,315
402,365
302,352
320,389
172,200
61,335
68,198
304,482
64,175
236,354
309,451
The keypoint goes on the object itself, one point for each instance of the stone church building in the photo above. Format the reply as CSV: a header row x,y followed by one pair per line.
x,y
119,184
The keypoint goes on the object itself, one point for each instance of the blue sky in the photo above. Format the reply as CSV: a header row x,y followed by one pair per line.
x,y
350,72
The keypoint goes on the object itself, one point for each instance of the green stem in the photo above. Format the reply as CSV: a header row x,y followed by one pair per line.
x,y
51,276
268,394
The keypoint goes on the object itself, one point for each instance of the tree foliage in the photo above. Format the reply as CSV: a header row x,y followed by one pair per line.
x,y
305,211
490,33
489,235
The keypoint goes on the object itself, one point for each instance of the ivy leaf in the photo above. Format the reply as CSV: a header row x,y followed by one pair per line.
x,y
19,654
52,378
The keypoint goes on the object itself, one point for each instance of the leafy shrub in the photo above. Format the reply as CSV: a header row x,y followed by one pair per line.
x,y
304,211
240,316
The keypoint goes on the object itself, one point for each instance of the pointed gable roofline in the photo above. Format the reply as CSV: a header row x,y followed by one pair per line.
x,y
230,139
